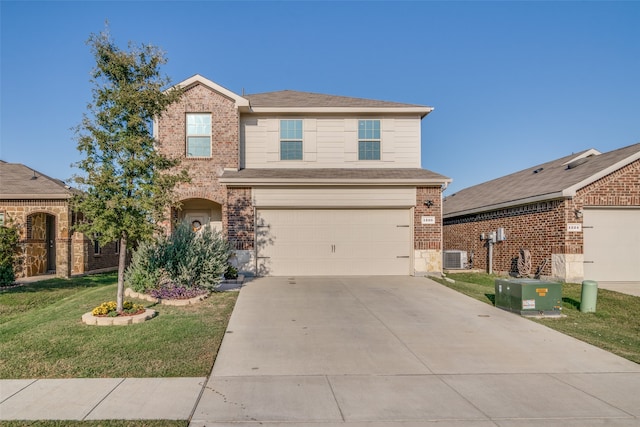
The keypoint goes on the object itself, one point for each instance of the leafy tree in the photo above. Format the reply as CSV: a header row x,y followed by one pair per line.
x,y
127,183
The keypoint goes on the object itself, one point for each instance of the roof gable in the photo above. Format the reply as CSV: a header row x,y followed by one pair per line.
x,y
555,179
198,79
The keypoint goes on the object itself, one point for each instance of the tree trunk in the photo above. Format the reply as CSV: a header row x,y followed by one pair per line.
x,y
121,266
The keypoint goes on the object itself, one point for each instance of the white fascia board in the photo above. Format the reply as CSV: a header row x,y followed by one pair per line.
x,y
256,182
422,111
509,204
571,191
239,100
590,152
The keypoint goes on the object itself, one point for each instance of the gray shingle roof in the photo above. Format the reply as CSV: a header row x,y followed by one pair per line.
x,y
337,176
17,182
292,98
549,180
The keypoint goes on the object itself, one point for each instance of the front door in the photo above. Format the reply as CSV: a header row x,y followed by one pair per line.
x,y
51,244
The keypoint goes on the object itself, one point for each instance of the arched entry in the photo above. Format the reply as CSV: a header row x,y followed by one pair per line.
x,y
199,212
40,248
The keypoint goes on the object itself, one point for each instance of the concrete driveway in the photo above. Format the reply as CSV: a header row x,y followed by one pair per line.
x,y
404,351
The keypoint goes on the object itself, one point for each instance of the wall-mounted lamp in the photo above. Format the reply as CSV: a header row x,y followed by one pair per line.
x,y
428,203
578,213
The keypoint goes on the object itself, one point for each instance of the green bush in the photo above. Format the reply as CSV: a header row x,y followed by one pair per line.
x,y
231,273
9,238
145,269
186,258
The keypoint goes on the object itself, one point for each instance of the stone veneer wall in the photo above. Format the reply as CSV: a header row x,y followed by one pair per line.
x,y
541,227
74,252
427,238
30,218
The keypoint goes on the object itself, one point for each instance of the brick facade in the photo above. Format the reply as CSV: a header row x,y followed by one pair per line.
x,y
540,227
240,219
428,236
204,172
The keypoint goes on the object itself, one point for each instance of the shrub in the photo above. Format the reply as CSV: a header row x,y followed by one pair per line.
x,y
231,273
145,269
9,238
186,259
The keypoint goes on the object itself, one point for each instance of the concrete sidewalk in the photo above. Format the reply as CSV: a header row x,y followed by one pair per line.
x,y
404,351
100,398
363,351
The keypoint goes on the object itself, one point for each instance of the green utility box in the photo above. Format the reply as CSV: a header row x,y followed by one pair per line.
x,y
529,296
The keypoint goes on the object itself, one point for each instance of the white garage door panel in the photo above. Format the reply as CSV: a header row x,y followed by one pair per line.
x,y
612,245
333,242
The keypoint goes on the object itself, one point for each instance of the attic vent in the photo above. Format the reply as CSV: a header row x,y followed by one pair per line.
x,y
577,162
538,170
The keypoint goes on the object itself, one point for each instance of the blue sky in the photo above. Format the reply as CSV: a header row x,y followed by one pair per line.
x,y
513,84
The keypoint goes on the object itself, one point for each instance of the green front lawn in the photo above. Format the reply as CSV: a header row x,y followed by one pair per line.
x,y
615,326
42,335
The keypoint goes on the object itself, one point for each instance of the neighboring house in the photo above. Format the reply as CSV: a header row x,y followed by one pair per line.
x,y
39,207
578,216
307,184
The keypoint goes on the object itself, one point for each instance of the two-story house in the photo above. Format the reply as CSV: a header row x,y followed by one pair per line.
x,y
307,184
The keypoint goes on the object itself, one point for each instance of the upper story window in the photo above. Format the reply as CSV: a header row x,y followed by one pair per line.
x,y
290,139
199,135
368,139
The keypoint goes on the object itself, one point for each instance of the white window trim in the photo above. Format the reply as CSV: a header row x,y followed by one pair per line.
x,y
187,135
368,140
281,140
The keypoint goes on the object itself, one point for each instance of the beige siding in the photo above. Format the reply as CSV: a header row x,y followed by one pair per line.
x,y
330,142
334,197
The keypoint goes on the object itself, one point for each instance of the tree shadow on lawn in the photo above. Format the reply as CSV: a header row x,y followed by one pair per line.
x,y
81,282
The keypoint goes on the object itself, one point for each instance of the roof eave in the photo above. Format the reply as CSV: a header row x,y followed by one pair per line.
x,y
261,182
422,111
508,204
31,196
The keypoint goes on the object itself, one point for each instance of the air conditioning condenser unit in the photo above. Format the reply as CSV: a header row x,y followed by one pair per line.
x,y
455,260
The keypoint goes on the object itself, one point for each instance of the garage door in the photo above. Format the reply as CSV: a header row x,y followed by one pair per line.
x,y
317,242
612,245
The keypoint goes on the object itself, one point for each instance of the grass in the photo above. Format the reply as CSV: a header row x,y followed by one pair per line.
x,y
106,423
42,336
615,326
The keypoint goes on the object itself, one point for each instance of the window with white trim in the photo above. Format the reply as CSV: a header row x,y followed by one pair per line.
x,y
290,139
199,135
368,139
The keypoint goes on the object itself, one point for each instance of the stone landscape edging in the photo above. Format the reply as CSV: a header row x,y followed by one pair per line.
x,y
90,319
175,302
